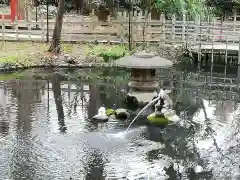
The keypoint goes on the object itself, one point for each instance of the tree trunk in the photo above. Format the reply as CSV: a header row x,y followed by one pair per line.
x,y
55,44
79,6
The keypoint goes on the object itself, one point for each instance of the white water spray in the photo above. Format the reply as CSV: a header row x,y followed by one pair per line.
x,y
143,109
162,93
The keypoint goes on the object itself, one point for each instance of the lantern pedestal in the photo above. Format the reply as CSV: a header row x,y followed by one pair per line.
x,y
143,85
142,98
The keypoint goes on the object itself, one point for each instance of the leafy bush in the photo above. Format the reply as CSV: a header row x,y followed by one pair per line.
x,y
114,53
108,53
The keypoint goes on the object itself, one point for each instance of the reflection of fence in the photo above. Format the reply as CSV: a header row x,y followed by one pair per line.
x,y
202,85
172,30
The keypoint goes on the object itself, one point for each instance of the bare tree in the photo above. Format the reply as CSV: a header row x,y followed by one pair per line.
x,y
55,44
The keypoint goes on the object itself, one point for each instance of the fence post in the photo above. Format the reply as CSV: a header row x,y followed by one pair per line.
x,y
123,20
120,30
134,28
93,26
183,26
93,12
139,27
42,25
208,28
198,29
197,24
3,27
29,26
235,21
226,50
213,33
239,51
187,33
109,20
16,28
163,22
149,28
173,26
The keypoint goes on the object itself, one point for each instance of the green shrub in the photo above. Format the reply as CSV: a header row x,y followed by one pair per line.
x,y
114,53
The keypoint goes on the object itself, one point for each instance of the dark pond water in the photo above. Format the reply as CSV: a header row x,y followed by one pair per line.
x,y
45,132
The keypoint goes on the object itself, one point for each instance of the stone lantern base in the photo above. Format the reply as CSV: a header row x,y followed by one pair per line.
x,y
143,86
140,98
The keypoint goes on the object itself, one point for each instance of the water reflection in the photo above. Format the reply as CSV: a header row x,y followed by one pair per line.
x,y
23,162
45,133
56,87
94,166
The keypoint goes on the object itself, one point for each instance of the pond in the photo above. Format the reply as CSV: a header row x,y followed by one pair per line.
x,y
45,132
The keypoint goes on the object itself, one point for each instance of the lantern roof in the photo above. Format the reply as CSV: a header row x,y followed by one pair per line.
x,y
144,60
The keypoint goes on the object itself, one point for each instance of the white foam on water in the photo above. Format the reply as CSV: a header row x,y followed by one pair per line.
x,y
119,135
128,134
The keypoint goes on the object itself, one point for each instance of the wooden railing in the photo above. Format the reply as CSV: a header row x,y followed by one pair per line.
x,y
172,30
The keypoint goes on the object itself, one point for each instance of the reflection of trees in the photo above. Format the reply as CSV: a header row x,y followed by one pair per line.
x,y
75,101
93,105
109,82
110,96
4,127
171,172
181,144
56,86
186,100
178,145
93,101
179,141
26,94
210,132
5,111
94,167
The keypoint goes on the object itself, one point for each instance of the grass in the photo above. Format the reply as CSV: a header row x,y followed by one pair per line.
x,y
21,53
31,53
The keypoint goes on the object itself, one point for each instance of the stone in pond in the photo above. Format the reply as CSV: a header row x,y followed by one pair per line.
x,y
157,119
122,114
110,112
101,116
112,116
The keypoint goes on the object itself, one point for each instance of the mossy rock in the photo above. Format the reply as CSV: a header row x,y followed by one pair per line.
x,y
122,114
113,117
110,112
157,119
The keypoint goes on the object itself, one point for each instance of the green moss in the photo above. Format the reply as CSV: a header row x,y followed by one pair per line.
x,y
122,114
109,112
158,120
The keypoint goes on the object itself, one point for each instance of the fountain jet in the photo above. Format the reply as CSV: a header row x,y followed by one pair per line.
x,y
162,94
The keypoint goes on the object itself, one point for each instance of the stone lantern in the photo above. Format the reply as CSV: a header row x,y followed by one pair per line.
x,y
143,83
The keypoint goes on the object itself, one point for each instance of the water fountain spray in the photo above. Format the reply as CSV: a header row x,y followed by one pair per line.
x,y
161,94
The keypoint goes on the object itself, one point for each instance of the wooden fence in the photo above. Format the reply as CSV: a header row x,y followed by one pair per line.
x,y
90,29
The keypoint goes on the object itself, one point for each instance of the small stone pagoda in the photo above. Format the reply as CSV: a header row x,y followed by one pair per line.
x,y
143,83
